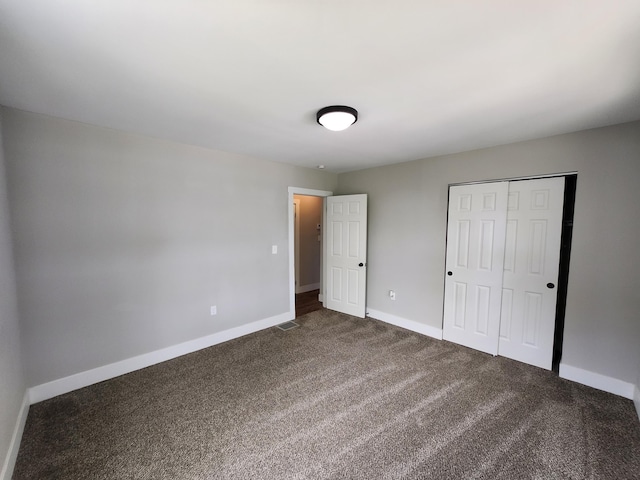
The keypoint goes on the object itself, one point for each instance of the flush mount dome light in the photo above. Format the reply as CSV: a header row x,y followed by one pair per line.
x,y
337,117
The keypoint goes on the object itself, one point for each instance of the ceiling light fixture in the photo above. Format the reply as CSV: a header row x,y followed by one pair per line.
x,y
337,117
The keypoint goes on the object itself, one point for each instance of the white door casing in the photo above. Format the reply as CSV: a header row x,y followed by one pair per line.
x,y
296,219
474,264
346,257
531,265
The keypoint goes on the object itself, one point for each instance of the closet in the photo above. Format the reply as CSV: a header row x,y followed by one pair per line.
x,y
502,262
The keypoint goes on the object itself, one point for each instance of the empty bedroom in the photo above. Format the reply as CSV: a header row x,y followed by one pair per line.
x,y
303,240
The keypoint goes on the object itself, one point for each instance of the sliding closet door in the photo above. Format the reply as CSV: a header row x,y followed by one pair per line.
x,y
503,256
531,262
474,264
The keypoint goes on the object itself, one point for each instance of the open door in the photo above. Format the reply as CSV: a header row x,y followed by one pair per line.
x,y
346,254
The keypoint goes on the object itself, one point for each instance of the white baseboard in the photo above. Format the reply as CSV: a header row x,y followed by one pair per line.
x,y
405,323
307,288
596,380
636,399
14,446
100,374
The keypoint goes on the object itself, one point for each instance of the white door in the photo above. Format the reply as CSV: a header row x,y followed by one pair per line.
x,y
531,262
346,247
474,264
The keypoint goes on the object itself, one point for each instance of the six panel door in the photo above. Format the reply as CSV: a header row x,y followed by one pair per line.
x,y
474,262
531,264
346,271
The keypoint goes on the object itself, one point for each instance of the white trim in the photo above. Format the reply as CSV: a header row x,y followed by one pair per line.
x,y
636,399
596,380
14,445
308,288
106,372
515,179
296,248
292,271
310,192
406,323
321,298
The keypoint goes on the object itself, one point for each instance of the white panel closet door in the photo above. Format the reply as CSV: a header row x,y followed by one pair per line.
x,y
346,224
474,263
531,263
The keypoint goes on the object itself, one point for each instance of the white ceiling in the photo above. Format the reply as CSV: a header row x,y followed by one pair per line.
x,y
427,77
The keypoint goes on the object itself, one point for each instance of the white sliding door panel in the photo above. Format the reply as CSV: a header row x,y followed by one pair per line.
x,y
532,259
474,262
346,224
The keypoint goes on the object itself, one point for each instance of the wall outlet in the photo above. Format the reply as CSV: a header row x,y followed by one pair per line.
x,y
214,310
392,294
274,249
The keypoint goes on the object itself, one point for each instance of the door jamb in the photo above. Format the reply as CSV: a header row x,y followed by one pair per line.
x,y
296,236
292,276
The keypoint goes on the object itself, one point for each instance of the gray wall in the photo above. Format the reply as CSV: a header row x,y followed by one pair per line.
x,y
123,242
12,379
407,228
310,217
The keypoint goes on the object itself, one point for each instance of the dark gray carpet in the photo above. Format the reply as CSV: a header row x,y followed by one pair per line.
x,y
338,398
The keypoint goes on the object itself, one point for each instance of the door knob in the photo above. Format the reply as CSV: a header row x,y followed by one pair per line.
x,y
550,285
361,264
449,273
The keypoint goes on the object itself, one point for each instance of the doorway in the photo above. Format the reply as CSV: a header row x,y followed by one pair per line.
x,y
343,258
295,191
308,220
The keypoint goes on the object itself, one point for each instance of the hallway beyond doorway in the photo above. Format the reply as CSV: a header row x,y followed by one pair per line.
x,y
307,302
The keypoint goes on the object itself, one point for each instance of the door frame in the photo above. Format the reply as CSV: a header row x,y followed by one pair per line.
x,y
514,179
291,222
296,235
